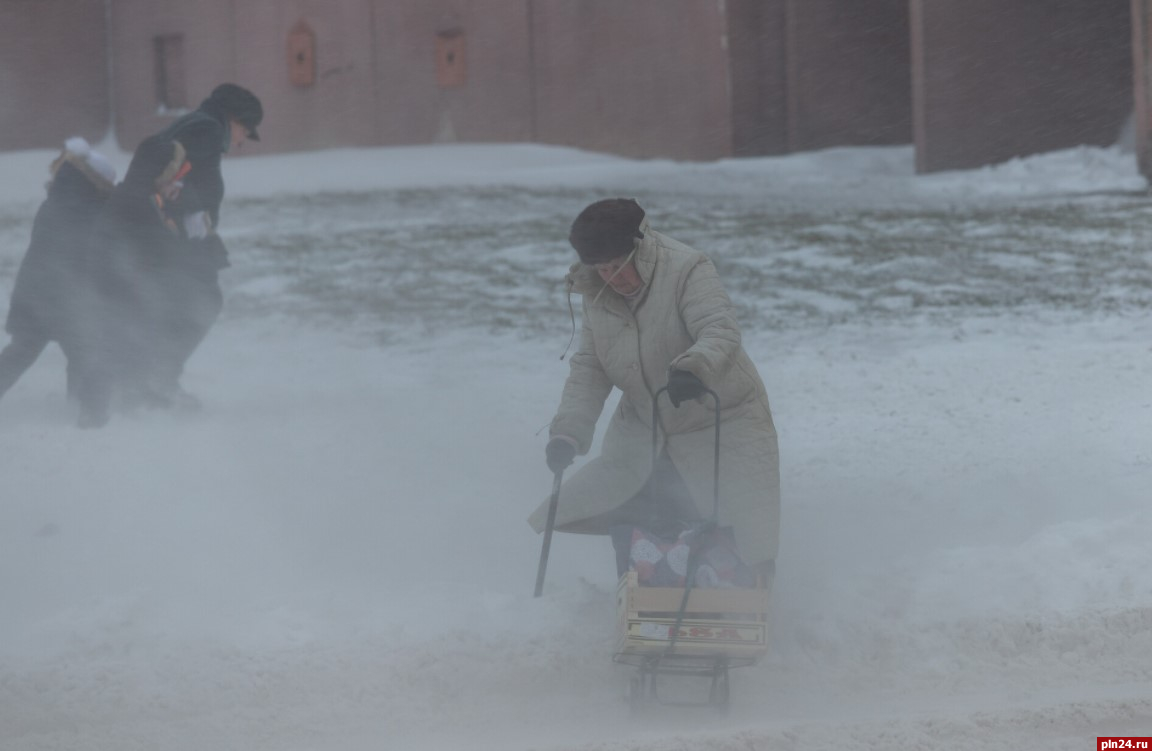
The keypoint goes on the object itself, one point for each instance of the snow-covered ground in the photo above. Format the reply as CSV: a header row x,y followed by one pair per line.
x,y
333,555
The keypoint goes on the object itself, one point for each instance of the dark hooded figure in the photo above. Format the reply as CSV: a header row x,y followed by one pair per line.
x,y
54,273
223,121
132,250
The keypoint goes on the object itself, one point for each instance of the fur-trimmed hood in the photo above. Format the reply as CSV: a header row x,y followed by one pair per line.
x,y
91,164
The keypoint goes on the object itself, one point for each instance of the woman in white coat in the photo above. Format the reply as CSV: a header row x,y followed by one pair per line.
x,y
655,314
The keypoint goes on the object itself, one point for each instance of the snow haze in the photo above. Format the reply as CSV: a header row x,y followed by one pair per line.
x,y
333,555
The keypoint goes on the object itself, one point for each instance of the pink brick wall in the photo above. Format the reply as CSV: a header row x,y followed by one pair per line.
x,y
493,104
970,81
644,78
53,74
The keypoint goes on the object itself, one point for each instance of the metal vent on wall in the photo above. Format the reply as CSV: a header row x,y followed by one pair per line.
x,y
450,60
302,55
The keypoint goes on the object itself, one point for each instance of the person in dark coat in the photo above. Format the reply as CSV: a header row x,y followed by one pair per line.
x,y
44,305
225,120
132,249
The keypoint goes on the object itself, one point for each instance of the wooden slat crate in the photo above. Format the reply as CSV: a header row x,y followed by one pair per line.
x,y
730,623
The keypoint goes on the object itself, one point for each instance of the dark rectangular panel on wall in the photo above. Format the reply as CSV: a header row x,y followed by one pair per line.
x,y
757,53
171,67
997,80
53,72
644,78
849,73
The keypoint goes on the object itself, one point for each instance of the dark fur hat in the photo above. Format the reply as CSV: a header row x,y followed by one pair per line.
x,y
606,230
238,103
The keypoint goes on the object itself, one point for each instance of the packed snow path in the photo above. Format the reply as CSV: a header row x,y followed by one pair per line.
x,y
333,555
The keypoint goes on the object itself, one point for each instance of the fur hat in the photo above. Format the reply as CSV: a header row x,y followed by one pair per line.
x,y
239,104
92,164
606,230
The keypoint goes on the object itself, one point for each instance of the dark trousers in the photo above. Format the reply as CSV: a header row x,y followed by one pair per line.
x,y
85,383
17,357
194,302
663,507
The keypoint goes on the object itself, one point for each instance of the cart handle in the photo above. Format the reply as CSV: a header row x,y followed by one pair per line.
x,y
716,453
693,554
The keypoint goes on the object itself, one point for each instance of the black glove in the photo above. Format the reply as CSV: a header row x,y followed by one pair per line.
x,y
560,454
683,386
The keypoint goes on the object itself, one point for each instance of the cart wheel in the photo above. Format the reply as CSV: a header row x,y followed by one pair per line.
x,y
720,692
636,693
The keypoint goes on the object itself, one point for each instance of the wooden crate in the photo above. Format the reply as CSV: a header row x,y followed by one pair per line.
x,y
723,623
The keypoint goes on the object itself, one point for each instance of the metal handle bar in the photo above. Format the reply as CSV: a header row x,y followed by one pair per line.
x,y
715,457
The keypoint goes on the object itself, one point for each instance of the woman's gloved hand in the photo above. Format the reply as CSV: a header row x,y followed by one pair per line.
x,y
560,452
684,386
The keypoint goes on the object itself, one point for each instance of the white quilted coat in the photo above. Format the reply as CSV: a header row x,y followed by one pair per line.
x,y
686,321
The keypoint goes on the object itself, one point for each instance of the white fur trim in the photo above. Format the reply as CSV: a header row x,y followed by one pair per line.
x,y
100,164
77,146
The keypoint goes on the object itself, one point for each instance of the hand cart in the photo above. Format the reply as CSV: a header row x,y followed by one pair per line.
x,y
689,631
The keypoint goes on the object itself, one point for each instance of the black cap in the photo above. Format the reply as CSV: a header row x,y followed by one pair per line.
x,y
606,230
239,104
